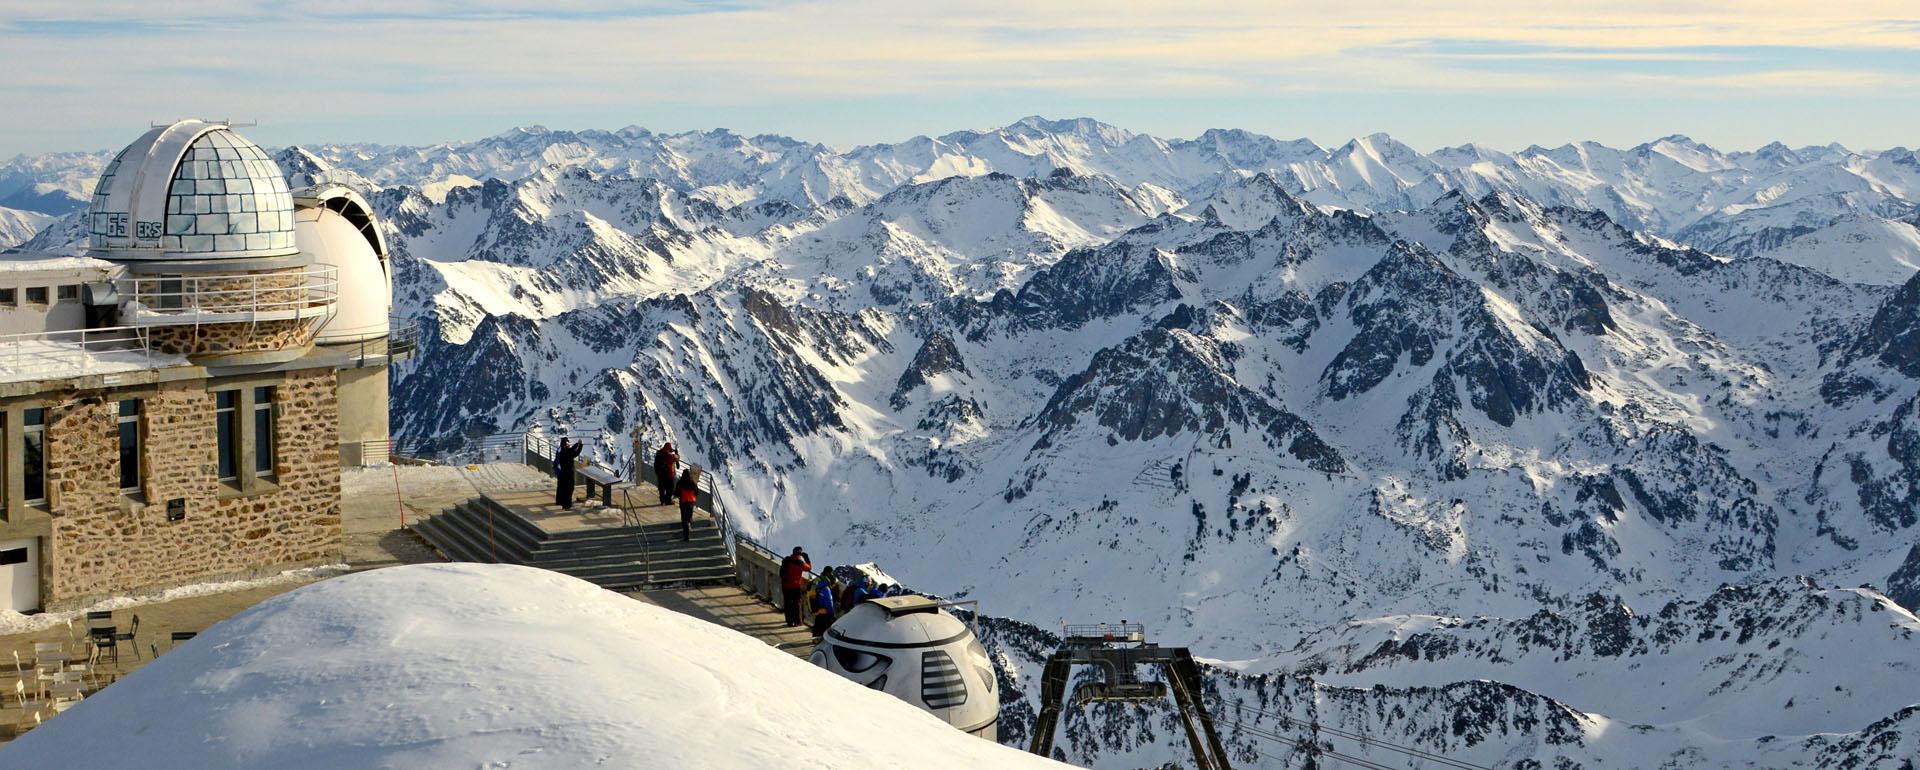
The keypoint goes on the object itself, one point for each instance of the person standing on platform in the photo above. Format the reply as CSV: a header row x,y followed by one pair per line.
x,y
665,464
793,583
688,488
563,471
823,604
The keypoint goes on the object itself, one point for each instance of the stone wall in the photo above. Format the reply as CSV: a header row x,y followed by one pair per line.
x,y
214,339
105,541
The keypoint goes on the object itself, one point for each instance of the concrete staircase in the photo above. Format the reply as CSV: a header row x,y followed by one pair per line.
x,y
619,558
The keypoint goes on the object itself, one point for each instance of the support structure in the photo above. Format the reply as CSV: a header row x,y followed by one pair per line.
x,y
1117,650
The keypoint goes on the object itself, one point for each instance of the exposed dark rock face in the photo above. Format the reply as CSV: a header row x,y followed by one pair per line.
x,y
1165,382
1088,285
937,356
1893,336
1903,585
1411,307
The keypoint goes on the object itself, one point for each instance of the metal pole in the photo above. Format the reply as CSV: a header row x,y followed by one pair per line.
x,y
397,504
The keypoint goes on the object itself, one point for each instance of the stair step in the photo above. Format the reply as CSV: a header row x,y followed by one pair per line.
x,y
639,556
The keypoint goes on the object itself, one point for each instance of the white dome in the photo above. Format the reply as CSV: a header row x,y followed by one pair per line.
x,y
331,238
907,647
191,190
879,625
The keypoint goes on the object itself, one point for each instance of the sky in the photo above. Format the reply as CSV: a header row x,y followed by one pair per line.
x,y
1504,73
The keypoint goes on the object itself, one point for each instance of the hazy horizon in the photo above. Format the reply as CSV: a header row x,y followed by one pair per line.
x,y
1504,75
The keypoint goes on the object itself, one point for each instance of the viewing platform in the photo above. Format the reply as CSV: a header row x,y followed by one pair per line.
x,y
634,548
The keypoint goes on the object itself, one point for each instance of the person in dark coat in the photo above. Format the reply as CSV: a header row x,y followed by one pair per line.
x,y
563,472
664,466
793,583
688,488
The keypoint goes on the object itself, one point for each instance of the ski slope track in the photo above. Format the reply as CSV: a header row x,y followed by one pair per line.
x,y
1571,457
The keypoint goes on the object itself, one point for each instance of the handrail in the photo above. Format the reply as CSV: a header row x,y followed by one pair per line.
x,y
237,294
627,519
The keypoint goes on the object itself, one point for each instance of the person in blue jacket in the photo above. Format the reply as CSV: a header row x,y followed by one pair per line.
x,y
856,591
822,603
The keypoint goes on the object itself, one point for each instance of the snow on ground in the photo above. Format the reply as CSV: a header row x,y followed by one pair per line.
x,y
15,623
497,666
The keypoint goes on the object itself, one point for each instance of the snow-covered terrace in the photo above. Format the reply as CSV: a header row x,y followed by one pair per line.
x,y
79,352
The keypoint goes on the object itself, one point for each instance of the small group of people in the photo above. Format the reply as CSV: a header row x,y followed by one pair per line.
x,y
685,487
825,597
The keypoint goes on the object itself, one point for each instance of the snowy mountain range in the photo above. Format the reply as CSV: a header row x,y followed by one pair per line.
x,y
1557,458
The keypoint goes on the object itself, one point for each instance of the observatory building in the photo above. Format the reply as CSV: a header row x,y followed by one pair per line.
x,y
907,647
176,404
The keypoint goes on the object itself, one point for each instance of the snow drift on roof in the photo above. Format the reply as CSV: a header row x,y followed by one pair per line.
x,y
467,665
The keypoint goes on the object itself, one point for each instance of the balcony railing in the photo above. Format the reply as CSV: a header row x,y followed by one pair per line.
x,y
220,298
79,352
398,344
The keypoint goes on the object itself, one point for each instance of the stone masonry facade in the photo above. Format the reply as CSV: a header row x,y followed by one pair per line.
x,y
106,541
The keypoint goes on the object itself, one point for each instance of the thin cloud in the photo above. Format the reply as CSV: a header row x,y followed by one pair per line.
x,y
415,58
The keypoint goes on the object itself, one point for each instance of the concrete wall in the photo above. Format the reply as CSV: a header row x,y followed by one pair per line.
x,y
363,412
23,317
105,541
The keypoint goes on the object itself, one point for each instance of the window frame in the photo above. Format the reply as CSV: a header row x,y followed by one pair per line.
x,y
123,421
9,296
264,398
33,431
66,293
45,297
227,445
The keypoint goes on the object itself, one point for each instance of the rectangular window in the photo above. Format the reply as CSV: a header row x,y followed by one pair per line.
x,y
170,292
34,456
13,556
36,295
263,431
9,297
130,445
226,416
68,293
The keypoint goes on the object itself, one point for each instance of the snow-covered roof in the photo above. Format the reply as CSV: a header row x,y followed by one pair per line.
x,y
469,665
37,262
191,190
899,620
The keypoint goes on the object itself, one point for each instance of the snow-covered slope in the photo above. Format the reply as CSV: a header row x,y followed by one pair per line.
x,y
1251,392
489,666
17,227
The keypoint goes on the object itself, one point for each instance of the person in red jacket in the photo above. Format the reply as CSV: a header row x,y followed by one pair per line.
x,y
793,583
688,488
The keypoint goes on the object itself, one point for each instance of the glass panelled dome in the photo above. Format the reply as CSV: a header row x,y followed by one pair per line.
x,y
191,190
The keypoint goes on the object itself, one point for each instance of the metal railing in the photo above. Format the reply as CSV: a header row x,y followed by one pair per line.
x,y
204,298
403,337
400,342
79,352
